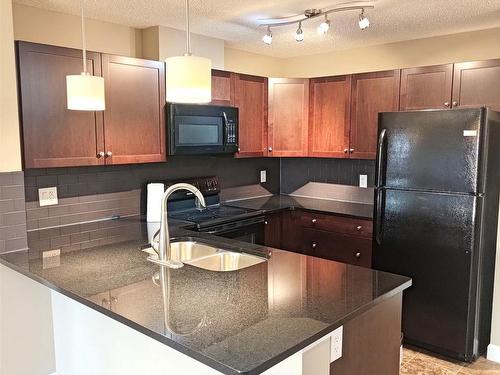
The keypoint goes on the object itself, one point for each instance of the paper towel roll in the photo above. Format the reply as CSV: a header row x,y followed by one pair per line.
x,y
155,193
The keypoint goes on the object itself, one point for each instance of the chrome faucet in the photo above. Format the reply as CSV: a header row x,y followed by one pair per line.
x,y
164,253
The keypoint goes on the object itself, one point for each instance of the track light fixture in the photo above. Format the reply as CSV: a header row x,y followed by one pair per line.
x,y
268,38
313,13
299,34
364,23
324,26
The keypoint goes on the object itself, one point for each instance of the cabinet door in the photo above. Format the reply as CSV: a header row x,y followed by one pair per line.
x,y
329,116
251,99
54,136
427,87
222,88
477,84
371,93
134,120
272,230
288,116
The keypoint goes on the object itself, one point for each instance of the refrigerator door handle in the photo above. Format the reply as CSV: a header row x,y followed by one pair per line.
x,y
378,218
380,157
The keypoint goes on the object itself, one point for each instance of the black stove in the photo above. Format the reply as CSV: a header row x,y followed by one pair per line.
x,y
231,222
214,215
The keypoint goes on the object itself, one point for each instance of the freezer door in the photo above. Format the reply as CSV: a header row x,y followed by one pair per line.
x,y
429,237
430,150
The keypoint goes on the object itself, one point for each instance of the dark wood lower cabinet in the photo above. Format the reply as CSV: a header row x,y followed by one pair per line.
x,y
335,246
343,239
371,342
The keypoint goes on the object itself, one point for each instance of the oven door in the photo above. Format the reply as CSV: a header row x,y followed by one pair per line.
x,y
249,230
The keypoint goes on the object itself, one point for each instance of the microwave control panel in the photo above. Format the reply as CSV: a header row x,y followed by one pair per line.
x,y
231,136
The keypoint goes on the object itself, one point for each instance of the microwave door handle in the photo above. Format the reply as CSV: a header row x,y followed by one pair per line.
x,y
226,130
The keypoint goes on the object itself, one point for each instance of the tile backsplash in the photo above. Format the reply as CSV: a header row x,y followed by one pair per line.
x,y
12,212
296,172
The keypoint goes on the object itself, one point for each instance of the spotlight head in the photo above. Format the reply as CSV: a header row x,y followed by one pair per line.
x,y
299,34
324,26
364,23
268,38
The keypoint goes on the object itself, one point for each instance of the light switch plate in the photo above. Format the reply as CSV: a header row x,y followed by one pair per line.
x,y
363,180
263,176
47,196
336,344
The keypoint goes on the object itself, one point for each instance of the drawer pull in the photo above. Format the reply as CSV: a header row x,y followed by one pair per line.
x,y
359,227
358,255
313,221
266,222
314,246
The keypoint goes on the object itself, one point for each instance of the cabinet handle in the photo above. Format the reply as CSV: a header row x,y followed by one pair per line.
x,y
454,103
314,246
270,149
358,255
100,154
346,150
313,221
109,154
359,227
447,104
114,299
104,302
265,222
239,149
351,150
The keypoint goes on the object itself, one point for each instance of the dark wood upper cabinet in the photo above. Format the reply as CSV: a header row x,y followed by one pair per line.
x,y
54,136
288,116
371,93
250,96
222,88
427,87
134,124
329,116
477,83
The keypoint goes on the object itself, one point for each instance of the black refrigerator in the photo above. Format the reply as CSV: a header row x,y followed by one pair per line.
x,y
435,220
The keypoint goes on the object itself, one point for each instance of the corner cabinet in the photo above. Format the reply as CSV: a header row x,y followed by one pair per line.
x,y
371,93
130,130
288,116
329,116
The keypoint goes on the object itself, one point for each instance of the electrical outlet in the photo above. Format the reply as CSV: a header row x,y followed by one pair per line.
x,y
263,176
47,196
51,258
336,344
363,180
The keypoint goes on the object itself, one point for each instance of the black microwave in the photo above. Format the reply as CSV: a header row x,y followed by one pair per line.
x,y
195,129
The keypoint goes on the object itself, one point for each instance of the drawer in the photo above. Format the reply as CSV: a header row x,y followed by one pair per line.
x,y
338,224
336,246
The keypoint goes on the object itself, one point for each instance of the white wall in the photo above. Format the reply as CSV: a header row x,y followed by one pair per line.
x,y
26,333
10,156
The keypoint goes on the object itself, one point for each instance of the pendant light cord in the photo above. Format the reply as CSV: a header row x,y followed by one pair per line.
x,y
83,40
188,34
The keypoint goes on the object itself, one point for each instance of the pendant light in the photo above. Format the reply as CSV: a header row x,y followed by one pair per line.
x,y
85,92
188,77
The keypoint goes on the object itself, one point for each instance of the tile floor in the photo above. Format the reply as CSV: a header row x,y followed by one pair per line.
x,y
417,362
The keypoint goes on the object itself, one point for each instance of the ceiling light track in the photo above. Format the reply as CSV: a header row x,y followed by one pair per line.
x,y
310,14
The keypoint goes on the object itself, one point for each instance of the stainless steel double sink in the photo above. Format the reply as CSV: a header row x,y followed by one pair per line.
x,y
208,257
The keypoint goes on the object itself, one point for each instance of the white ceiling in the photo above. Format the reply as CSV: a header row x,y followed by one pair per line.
x,y
236,20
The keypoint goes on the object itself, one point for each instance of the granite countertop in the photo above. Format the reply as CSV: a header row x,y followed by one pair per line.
x,y
245,321
275,203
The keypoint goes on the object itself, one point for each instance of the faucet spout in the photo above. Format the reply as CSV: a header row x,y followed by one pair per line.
x,y
164,253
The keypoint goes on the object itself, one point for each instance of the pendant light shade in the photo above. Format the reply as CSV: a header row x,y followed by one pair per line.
x,y
85,92
188,78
